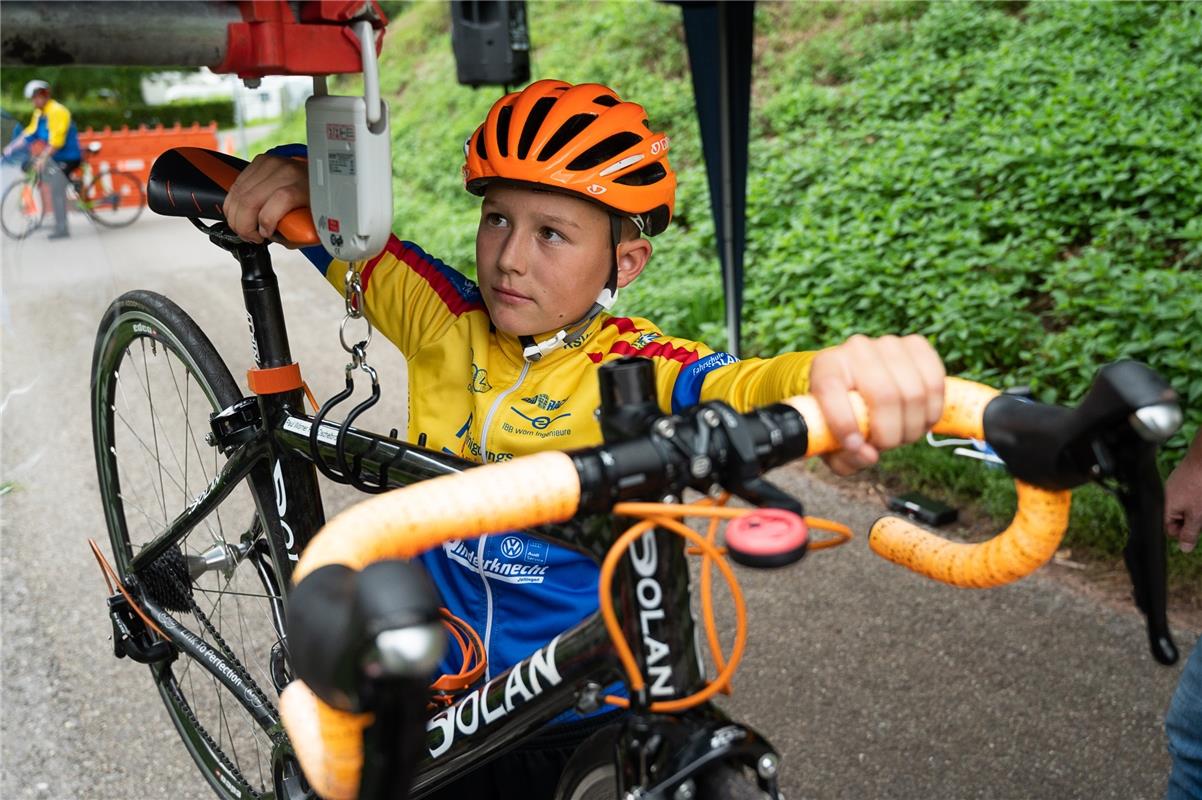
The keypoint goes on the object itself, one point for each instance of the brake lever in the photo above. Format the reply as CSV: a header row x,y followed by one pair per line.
x,y
1142,495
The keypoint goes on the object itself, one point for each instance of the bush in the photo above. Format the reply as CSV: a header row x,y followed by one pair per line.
x,y
98,115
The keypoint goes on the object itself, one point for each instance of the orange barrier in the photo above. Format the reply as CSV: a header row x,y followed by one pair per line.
x,y
134,151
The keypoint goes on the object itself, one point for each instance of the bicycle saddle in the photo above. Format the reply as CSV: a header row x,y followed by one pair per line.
x,y
193,182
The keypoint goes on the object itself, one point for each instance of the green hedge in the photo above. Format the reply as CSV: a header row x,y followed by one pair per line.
x,y
97,114
203,112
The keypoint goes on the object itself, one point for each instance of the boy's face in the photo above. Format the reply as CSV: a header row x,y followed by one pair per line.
x,y
541,258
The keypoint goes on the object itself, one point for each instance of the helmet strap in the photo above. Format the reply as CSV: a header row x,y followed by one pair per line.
x,y
569,334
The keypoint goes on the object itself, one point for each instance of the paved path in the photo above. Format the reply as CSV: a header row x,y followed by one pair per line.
x,y
871,682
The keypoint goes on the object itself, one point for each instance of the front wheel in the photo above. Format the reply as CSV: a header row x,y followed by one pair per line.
x,y
113,199
156,378
592,774
22,209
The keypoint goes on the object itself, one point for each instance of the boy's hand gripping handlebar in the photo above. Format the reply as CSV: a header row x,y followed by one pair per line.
x,y
1055,447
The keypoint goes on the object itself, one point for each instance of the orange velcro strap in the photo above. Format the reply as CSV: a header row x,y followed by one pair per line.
x,y
274,380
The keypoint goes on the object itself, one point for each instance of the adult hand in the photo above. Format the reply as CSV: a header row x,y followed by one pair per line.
x,y
1183,499
266,190
901,380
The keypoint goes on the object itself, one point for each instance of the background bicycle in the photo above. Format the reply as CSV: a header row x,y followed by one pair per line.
x,y
110,198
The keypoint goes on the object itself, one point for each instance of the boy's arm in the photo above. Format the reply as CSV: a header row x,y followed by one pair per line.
x,y
409,296
900,379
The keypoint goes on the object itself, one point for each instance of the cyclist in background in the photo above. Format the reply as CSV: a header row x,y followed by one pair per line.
x,y
1183,520
572,182
52,125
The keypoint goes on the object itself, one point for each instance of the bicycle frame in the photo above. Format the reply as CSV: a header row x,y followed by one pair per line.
x,y
267,439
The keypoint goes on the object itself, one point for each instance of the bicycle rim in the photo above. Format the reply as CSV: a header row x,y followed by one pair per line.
x,y
22,209
598,783
113,199
155,380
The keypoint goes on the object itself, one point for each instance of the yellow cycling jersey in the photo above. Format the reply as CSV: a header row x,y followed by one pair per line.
x,y
57,131
471,392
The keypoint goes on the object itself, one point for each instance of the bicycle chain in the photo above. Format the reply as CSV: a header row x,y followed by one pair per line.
x,y
243,674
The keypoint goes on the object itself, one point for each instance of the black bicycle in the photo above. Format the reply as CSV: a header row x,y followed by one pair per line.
x,y
211,498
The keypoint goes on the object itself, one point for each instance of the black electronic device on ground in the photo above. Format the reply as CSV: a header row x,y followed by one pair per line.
x,y
924,509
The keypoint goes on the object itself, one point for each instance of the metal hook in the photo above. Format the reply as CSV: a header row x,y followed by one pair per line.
x,y
325,409
351,468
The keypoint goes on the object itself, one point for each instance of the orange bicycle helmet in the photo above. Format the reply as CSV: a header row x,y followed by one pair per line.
x,y
583,140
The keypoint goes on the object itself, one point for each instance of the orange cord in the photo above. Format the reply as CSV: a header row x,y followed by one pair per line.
x,y
109,573
667,516
309,394
660,519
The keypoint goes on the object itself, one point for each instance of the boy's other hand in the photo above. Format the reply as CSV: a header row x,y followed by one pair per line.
x,y
266,190
901,380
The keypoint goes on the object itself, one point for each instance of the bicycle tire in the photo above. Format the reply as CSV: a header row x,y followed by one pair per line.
x,y
15,219
108,199
592,774
173,379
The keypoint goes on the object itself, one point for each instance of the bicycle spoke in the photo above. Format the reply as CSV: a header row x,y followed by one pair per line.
x,y
215,536
153,430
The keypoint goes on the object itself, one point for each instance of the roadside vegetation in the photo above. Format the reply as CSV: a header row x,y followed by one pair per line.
x,y
1022,183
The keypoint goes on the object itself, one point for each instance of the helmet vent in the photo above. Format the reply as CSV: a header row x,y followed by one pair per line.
x,y
503,131
645,176
480,151
606,100
566,133
533,123
604,150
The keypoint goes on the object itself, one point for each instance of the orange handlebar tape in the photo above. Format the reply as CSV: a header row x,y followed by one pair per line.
x,y
330,744
1028,543
274,380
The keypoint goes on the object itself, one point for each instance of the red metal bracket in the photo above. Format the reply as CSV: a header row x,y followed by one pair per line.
x,y
270,40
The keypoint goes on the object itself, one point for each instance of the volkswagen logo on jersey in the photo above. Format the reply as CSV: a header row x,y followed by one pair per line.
x,y
512,547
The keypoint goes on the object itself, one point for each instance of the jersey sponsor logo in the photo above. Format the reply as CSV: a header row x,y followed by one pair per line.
x,y
544,401
512,547
711,362
527,680
539,425
477,452
531,569
645,339
479,383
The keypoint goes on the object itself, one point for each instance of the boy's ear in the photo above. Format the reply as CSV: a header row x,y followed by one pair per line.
x,y
633,255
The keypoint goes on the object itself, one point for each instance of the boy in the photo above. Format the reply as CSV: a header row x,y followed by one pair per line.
x,y
572,180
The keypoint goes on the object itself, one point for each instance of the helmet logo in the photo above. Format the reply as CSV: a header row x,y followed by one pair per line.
x,y
595,188
659,146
